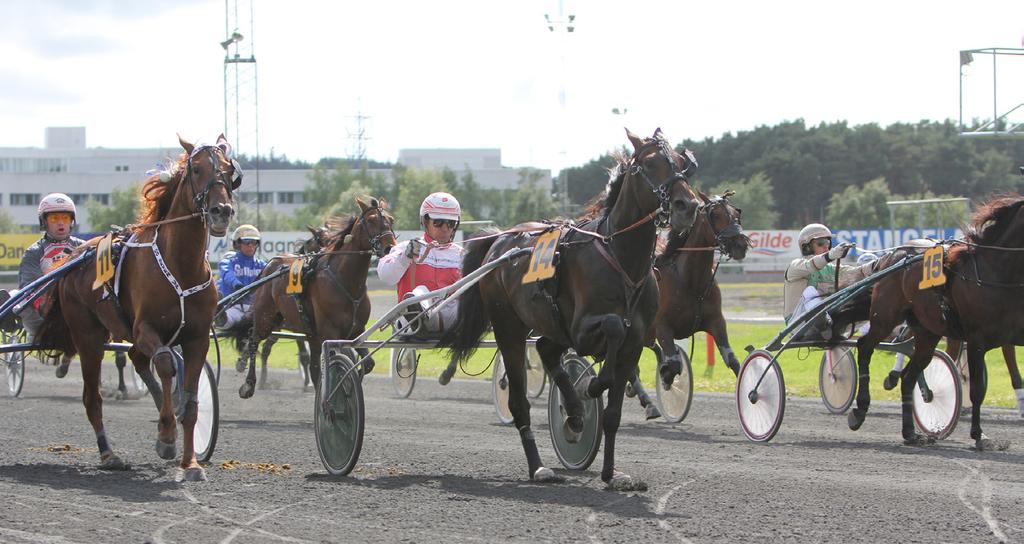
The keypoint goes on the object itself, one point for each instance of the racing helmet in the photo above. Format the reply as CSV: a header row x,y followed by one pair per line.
x,y
55,202
244,232
440,206
810,233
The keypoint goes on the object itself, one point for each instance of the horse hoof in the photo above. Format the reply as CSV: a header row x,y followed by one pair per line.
x,y
446,375
62,370
630,391
246,390
570,435
854,420
891,381
652,411
624,482
734,367
166,451
120,395
543,474
113,462
240,366
987,444
918,440
193,474
369,365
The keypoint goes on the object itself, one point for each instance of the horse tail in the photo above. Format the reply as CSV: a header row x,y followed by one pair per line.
x,y
462,337
54,334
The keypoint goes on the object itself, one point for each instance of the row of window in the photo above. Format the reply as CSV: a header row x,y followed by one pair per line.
x,y
34,166
284,197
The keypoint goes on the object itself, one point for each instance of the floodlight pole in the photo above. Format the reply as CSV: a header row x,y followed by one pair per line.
x,y
562,26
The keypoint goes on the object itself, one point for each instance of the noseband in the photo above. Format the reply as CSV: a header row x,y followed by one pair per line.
x,y
375,241
662,190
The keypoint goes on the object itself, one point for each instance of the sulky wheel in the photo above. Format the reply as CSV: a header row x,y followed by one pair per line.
x,y
674,401
338,414
837,379
403,371
14,361
499,390
575,452
938,416
761,402
204,434
535,375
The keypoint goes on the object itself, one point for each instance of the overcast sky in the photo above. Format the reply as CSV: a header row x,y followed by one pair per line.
x,y
481,73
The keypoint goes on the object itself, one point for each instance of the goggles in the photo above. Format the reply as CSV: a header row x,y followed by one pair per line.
x,y
822,242
58,217
438,223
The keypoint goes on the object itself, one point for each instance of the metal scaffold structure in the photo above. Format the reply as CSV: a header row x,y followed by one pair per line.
x,y
241,97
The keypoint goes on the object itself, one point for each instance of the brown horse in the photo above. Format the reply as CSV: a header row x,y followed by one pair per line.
x,y
333,303
979,303
601,301
162,296
690,299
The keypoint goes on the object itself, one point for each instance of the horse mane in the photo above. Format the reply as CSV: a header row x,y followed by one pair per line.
x,y
158,195
336,228
602,203
988,223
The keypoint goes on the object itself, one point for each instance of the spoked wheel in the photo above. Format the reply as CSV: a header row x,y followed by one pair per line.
x,y
14,361
403,371
204,434
535,375
837,379
674,401
338,418
575,452
938,417
760,405
499,388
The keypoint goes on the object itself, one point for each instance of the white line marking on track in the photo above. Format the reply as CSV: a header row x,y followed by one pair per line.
x,y
242,526
7,534
985,492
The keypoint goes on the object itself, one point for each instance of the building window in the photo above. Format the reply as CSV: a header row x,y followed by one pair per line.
x,y
251,198
78,198
291,197
102,198
266,198
24,199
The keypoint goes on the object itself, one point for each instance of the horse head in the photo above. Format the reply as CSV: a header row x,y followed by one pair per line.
x,y
665,172
375,226
210,175
724,220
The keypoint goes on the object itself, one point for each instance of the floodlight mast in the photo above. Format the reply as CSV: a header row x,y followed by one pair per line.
x,y
991,128
241,97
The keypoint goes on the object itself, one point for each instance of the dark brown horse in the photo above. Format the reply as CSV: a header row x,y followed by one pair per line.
x,y
164,296
333,304
601,301
690,299
979,303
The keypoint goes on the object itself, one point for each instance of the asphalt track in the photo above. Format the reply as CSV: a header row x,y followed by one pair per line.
x,y
438,468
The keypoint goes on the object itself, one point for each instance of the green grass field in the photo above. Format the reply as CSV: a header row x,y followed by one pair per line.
x,y
799,367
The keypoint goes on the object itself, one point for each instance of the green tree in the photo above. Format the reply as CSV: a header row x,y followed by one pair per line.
x,y
269,218
7,224
860,207
413,186
754,197
324,188
122,210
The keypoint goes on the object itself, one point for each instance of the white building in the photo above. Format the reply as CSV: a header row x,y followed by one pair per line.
x,y
68,166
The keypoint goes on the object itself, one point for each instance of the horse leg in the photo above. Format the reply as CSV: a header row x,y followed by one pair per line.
x,y
316,345
511,342
252,345
979,387
924,346
304,362
1010,356
716,327
880,328
122,389
673,360
613,329
650,409
625,358
147,341
268,344
369,365
551,357
91,360
194,353
142,367
62,367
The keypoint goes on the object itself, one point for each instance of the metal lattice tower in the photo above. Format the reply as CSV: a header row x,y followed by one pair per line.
x,y
1005,120
241,104
358,138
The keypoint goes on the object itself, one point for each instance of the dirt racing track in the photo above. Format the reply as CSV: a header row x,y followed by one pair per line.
x,y
438,468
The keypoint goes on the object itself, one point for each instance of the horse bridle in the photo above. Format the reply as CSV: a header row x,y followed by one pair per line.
x,y
662,191
375,241
732,230
218,177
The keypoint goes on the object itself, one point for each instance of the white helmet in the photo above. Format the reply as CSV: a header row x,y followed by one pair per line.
x,y
441,206
55,202
245,232
813,232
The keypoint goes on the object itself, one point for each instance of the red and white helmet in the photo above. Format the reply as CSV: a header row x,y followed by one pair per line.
x,y
55,202
441,206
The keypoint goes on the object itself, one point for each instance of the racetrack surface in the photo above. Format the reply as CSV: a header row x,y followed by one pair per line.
x,y
438,468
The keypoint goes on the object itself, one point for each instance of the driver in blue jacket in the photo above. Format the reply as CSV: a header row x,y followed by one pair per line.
x,y
239,268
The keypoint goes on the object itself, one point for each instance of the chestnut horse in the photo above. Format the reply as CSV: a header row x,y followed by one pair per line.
x,y
979,303
333,303
690,299
601,301
162,296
